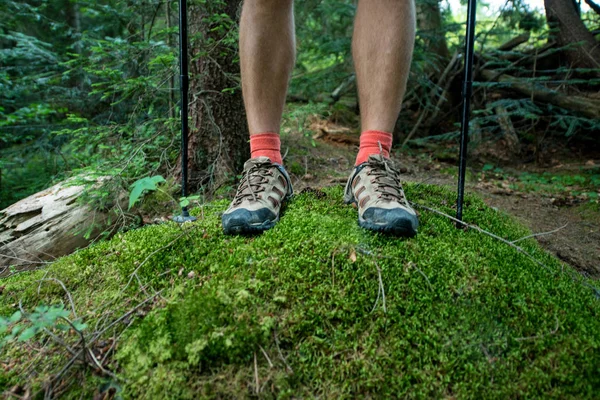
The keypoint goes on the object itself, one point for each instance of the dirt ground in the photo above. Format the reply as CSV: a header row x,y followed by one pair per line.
x,y
570,230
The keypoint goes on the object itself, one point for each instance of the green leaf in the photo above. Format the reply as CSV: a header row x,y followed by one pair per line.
x,y
80,326
140,185
15,331
27,334
157,179
56,312
16,317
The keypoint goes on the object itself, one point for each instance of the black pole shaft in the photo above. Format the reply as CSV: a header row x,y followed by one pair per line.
x,y
184,87
467,90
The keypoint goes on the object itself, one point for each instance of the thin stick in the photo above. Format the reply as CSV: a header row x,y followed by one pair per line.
x,y
381,291
152,254
64,288
333,267
522,339
541,233
423,274
97,336
511,244
281,354
266,356
256,375
127,314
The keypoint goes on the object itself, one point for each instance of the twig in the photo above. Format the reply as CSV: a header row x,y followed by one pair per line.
x,y
286,153
281,354
380,291
522,339
257,382
127,314
132,275
97,336
540,234
114,343
64,288
333,267
24,260
83,345
266,356
423,274
52,335
519,249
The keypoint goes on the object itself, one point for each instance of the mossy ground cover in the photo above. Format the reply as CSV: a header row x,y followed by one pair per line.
x,y
298,311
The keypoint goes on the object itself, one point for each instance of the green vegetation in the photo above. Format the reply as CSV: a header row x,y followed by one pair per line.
x,y
584,183
300,310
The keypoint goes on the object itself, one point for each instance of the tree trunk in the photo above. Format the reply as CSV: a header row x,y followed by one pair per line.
x,y
218,144
563,17
429,24
50,224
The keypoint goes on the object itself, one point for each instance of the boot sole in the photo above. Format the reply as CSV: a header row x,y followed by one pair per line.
x,y
402,227
249,229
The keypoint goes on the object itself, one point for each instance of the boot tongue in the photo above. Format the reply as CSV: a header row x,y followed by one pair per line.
x,y
377,158
256,161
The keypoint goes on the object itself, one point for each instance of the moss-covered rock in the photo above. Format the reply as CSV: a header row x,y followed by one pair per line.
x,y
299,309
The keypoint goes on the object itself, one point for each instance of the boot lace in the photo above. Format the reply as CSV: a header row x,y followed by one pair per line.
x,y
253,182
386,179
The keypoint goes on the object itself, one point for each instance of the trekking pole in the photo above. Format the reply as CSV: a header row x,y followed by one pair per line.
x,y
464,123
183,85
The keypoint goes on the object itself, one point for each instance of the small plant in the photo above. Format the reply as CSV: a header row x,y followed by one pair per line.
x,y
185,201
139,186
23,328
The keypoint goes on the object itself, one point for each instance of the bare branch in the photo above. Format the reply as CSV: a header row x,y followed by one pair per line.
x,y
519,249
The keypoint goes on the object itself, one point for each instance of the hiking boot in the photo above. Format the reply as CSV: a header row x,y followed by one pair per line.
x,y
256,205
382,206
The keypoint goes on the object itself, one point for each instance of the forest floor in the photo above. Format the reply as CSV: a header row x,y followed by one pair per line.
x,y
318,307
557,200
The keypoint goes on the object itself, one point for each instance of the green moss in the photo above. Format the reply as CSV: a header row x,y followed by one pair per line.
x,y
467,316
296,168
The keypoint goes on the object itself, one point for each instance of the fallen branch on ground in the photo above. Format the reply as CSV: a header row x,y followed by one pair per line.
x,y
583,105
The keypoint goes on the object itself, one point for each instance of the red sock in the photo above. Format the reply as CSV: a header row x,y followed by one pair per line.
x,y
369,144
266,145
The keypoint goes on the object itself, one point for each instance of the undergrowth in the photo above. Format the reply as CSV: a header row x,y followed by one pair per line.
x,y
299,311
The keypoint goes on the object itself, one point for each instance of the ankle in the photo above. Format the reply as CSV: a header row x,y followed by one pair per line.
x,y
373,142
266,144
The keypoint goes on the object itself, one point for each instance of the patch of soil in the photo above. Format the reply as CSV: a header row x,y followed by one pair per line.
x,y
576,236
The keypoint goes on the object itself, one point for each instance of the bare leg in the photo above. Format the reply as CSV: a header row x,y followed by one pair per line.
x,y
267,56
384,34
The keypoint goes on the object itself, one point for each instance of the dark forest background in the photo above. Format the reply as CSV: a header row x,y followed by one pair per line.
x,y
92,86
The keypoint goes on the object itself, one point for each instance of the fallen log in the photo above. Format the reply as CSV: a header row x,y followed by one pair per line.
x,y
585,106
50,224
514,42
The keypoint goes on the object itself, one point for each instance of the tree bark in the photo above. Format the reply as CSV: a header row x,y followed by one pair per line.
x,y
218,144
563,17
429,24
